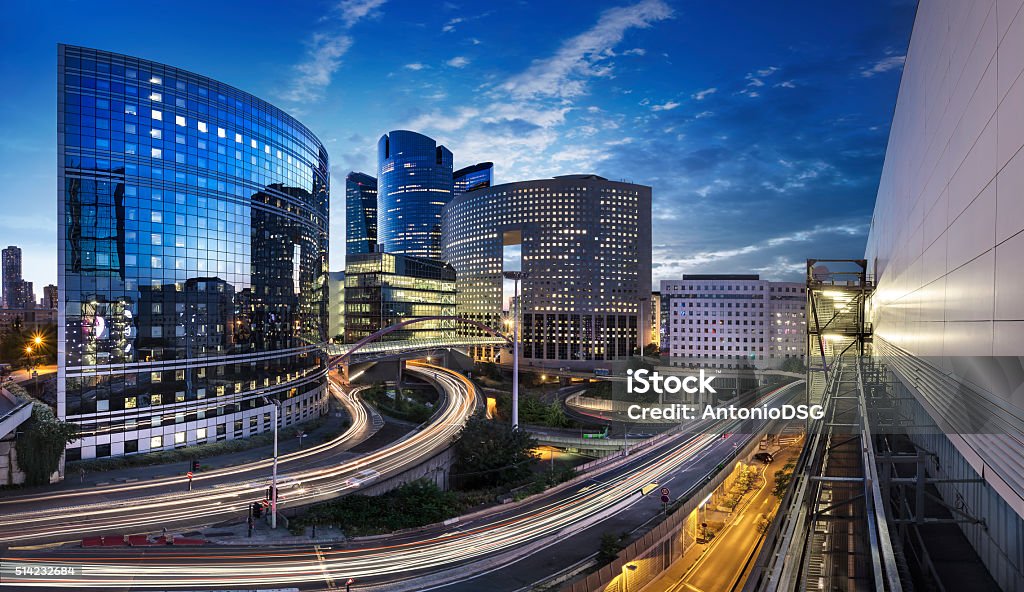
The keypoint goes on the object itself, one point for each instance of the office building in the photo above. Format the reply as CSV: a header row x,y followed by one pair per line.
x,y
655,319
336,309
382,289
945,246
360,213
414,182
585,248
49,297
473,177
17,293
192,258
734,321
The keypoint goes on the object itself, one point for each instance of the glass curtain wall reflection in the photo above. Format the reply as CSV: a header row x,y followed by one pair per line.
x,y
414,183
193,250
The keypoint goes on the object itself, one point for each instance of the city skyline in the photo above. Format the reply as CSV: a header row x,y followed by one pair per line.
x,y
705,133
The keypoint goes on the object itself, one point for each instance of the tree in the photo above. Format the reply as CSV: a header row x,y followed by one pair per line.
x,y
652,349
609,548
793,365
490,453
41,443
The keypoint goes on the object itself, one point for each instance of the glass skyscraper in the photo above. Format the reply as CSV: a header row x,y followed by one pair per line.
x,y
414,183
360,214
193,233
382,289
477,176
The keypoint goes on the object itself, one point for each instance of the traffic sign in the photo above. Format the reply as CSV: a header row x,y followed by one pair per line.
x,y
189,475
664,499
665,491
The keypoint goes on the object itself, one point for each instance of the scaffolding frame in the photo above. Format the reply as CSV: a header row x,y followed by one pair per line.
x,y
833,534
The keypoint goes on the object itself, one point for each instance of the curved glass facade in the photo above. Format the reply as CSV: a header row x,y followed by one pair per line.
x,y
193,229
586,254
414,183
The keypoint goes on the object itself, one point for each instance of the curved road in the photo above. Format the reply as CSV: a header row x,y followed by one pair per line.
x,y
505,535
111,511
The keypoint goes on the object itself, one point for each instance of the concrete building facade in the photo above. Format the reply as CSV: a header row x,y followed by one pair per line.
x,y
734,321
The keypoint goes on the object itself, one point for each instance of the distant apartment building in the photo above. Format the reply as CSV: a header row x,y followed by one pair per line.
x,y
17,293
360,213
382,289
734,321
49,296
473,177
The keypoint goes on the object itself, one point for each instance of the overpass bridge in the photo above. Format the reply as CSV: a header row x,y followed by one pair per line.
x,y
381,350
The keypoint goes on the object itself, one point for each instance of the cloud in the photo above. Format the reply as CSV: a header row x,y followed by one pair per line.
x,y
800,236
324,53
755,81
637,51
415,66
450,25
667,106
702,94
352,11
314,74
884,65
703,114
786,84
586,55
458,62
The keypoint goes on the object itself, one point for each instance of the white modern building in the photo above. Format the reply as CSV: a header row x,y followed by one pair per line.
x,y
733,321
946,245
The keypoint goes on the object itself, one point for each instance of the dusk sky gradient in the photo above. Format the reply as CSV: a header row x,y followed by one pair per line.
x,y
761,126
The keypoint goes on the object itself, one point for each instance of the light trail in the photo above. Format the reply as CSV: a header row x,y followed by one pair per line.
x,y
357,409
214,504
524,531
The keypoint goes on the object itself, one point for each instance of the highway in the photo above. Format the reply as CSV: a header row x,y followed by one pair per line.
x,y
395,563
226,493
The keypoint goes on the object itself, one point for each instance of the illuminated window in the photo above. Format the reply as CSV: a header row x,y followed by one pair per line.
x,y
202,126
179,437
179,120
157,115
156,442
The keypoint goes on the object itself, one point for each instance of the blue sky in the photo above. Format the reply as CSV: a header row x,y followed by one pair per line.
x,y
760,125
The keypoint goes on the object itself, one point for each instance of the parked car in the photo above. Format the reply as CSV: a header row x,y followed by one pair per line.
x,y
765,457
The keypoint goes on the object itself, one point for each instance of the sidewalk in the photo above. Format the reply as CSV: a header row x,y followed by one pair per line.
x,y
715,566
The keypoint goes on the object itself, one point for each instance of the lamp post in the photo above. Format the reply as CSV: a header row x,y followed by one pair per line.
x,y
515,276
273,475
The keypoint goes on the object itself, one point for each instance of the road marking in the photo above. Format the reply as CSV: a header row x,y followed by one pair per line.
x,y
323,568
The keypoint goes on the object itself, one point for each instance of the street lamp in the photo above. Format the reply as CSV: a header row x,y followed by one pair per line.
x,y
515,276
626,569
273,475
